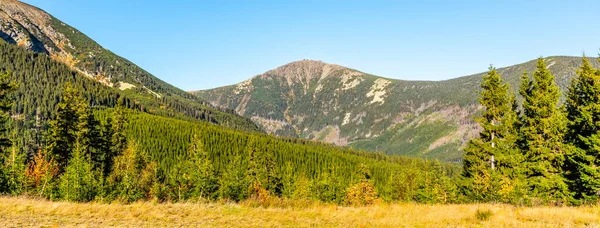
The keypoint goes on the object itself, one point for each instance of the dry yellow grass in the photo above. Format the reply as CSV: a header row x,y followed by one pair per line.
x,y
23,212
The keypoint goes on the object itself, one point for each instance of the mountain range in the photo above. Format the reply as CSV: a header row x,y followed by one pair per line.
x,y
335,104
306,99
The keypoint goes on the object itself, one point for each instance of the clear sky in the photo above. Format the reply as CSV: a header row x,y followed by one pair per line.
x,y
195,44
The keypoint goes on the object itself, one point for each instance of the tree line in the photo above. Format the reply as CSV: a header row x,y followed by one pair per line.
x,y
107,154
42,80
536,151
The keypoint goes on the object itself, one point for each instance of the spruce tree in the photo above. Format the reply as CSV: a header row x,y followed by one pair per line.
x,y
127,175
105,147
492,156
204,180
64,128
582,165
89,135
234,182
179,180
435,186
288,180
118,121
6,175
6,89
79,182
541,135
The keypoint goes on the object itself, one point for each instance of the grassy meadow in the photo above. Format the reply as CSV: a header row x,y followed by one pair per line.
x,y
27,212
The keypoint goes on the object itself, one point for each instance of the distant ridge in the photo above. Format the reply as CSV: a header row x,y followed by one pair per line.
x,y
331,103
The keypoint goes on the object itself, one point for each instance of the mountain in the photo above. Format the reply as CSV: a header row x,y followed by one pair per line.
x,y
52,41
44,56
335,104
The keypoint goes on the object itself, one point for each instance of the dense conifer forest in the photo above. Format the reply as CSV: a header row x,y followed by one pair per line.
x,y
68,137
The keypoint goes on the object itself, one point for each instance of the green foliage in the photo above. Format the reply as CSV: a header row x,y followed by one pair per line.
x,y
483,215
542,129
79,181
11,162
64,133
140,149
133,175
234,183
202,173
327,187
492,156
436,187
582,165
12,173
7,87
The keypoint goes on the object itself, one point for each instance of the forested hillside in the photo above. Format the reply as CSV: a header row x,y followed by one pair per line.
x,y
98,153
334,104
63,54
531,151
84,124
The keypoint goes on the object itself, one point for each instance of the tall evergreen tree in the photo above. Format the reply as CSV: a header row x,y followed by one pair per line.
x,y
492,156
6,88
234,182
205,182
79,182
542,131
64,128
105,147
129,176
582,165
89,135
118,121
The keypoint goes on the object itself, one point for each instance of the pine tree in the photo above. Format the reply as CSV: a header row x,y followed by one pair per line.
x,y
126,179
6,175
118,123
205,182
106,156
180,181
303,188
15,172
582,165
288,180
492,155
89,135
79,182
234,182
6,89
542,130
256,173
64,128
435,186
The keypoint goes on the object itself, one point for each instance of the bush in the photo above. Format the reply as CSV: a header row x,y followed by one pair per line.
x,y
361,194
483,215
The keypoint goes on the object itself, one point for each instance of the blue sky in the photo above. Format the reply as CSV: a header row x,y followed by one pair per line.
x,y
205,44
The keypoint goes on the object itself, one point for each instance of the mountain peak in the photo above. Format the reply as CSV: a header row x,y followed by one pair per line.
x,y
304,71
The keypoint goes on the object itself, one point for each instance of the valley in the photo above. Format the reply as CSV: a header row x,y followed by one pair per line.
x,y
89,138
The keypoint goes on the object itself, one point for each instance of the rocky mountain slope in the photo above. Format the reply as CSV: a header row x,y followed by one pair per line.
x,y
330,103
35,30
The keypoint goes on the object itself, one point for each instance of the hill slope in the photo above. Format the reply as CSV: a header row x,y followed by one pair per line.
x,y
54,41
330,103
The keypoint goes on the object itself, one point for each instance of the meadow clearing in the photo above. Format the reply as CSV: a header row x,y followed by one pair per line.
x,y
27,212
